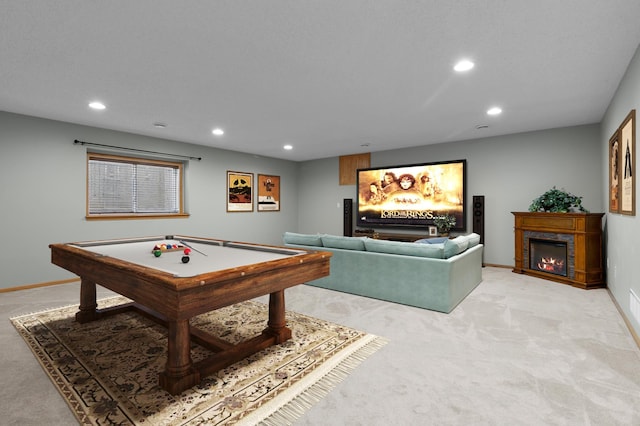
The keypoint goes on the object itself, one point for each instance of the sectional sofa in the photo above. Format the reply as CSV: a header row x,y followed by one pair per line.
x,y
429,274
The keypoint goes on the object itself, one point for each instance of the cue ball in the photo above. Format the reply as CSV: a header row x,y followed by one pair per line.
x,y
185,259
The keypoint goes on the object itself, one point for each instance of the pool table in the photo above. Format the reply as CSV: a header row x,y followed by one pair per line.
x,y
218,273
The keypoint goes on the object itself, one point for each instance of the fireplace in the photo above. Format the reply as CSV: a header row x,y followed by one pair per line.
x,y
562,247
548,256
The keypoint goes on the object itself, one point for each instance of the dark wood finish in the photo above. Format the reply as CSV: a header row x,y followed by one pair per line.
x,y
174,300
586,229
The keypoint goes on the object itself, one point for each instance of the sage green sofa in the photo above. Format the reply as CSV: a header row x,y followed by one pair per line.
x,y
431,276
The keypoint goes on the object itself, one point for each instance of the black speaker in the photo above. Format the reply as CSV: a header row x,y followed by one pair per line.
x,y
347,217
478,216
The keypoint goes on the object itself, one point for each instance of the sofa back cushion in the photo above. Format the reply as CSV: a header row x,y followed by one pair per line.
x,y
455,246
434,251
346,243
302,239
474,239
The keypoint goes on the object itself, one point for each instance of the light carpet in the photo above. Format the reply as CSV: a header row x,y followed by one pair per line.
x,y
107,370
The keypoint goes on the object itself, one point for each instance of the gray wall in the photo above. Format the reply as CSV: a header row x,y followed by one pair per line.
x,y
510,171
622,231
43,189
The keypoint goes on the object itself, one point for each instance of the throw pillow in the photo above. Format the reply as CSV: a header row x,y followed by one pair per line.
x,y
436,240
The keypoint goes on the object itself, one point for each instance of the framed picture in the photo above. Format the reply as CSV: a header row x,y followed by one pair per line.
x,y
614,172
628,165
433,231
239,192
268,193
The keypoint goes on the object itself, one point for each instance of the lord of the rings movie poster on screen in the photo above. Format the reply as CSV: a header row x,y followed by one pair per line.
x,y
411,195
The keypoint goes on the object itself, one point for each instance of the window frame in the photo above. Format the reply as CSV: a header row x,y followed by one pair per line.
x,y
136,161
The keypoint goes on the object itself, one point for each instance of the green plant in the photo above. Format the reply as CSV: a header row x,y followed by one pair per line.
x,y
444,223
557,201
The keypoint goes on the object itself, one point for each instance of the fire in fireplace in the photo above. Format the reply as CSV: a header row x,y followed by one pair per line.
x,y
548,256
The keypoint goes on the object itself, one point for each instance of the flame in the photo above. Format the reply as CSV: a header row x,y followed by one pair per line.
x,y
550,264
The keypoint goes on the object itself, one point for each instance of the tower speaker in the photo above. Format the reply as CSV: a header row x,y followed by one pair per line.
x,y
478,216
347,204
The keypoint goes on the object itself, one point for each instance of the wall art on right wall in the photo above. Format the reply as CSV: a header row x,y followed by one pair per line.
x,y
614,172
627,165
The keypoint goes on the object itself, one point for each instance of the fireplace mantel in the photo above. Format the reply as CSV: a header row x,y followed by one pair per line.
x,y
582,230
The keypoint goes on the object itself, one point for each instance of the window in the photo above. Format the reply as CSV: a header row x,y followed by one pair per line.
x,y
126,187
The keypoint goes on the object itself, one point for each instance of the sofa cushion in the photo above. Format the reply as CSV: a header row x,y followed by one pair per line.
x,y
347,243
434,251
302,239
455,246
474,239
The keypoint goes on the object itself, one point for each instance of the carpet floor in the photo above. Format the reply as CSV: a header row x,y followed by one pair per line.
x,y
517,351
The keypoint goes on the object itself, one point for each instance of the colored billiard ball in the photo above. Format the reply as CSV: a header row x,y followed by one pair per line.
x,y
157,253
169,246
187,251
185,259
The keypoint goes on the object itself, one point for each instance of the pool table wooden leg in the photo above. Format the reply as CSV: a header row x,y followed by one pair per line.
x,y
88,302
277,324
179,372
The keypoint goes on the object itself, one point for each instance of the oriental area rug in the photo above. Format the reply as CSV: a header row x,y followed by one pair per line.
x,y
107,370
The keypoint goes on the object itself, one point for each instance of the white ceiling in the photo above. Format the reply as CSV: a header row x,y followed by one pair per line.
x,y
326,76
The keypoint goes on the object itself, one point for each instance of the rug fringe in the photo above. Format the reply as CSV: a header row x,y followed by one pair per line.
x,y
295,408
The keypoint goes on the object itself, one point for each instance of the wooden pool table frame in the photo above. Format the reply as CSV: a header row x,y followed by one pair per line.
x,y
172,301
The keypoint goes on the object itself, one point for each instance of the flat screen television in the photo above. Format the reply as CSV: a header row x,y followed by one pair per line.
x,y
411,195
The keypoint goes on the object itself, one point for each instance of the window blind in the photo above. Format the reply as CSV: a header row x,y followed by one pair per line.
x,y
120,187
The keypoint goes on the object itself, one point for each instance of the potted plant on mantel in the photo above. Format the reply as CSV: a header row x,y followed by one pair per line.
x,y
558,201
444,223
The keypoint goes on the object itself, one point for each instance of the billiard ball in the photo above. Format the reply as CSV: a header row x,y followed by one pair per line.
x,y
185,259
157,253
187,251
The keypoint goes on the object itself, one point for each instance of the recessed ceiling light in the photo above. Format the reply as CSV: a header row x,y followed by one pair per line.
x,y
288,147
218,131
159,125
464,65
494,111
97,105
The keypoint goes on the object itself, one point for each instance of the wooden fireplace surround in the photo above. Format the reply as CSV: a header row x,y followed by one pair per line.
x,y
586,232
